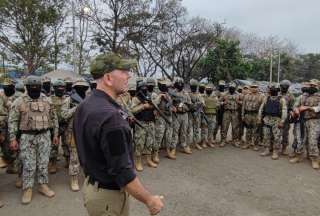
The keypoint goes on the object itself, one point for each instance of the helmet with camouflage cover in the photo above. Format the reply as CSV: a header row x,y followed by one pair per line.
x,y
142,83
178,80
222,83
68,80
314,83
202,84
232,85
209,86
80,82
193,82
59,82
165,82
151,81
33,80
7,82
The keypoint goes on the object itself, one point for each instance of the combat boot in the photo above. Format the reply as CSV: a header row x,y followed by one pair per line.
x,y
187,150
255,148
150,162
198,146
296,159
315,163
18,182
204,144
138,164
284,151
12,169
171,154
266,152
3,163
245,146
26,196
52,167
46,191
222,144
275,155
74,183
155,157
211,145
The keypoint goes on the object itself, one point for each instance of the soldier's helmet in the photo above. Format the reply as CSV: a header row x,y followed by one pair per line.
x,y
285,83
68,80
20,86
193,82
222,83
33,80
314,83
165,82
58,83
80,82
253,85
202,84
178,80
151,81
274,86
7,82
46,79
209,86
232,84
141,84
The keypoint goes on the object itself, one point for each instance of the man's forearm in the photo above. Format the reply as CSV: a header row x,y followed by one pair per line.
x,y
136,189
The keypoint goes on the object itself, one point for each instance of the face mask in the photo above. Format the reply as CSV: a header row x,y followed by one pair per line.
x,y
69,87
34,91
179,86
132,93
93,86
9,90
193,89
232,90
59,91
209,92
163,88
46,86
81,90
150,88
312,90
221,88
305,89
240,90
201,89
273,92
284,90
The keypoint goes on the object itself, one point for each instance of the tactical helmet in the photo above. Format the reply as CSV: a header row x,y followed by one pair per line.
x,y
80,82
285,83
151,81
209,86
7,82
59,82
232,84
68,80
193,82
202,84
178,80
165,82
222,83
20,86
33,80
141,84
46,79
273,86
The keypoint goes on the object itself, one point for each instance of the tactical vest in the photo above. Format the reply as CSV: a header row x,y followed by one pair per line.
x,y
211,105
272,107
252,103
230,102
35,115
145,115
312,100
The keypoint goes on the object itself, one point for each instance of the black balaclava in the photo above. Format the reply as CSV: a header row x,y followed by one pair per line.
x,y
312,90
202,89
59,91
69,86
193,89
46,86
150,88
132,93
305,89
81,90
274,91
232,90
9,90
93,86
34,91
179,86
209,91
221,88
163,88
240,90
284,89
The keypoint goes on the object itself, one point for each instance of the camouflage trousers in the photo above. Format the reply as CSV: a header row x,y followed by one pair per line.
x,y
219,121
34,155
299,138
144,139
207,129
285,133
55,148
195,128
230,117
312,127
251,124
180,126
272,136
5,150
163,133
74,164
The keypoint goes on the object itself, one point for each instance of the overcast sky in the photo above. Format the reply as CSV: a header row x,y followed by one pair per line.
x,y
296,20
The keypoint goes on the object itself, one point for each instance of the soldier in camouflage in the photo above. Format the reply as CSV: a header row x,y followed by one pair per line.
x,y
249,114
46,86
272,114
211,104
32,116
231,101
143,137
68,109
219,93
69,82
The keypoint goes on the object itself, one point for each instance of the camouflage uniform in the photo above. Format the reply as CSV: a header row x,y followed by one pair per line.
x,y
220,110
230,116
249,114
33,118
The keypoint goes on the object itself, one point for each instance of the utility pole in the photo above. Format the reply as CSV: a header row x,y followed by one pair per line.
x,y
279,66
271,63
74,38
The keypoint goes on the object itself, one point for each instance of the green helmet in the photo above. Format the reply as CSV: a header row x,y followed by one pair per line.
x,y
193,82
59,82
151,81
33,80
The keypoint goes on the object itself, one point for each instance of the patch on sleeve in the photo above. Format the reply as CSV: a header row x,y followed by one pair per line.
x,y
117,142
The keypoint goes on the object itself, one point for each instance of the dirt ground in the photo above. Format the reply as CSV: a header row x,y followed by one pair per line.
x,y
212,182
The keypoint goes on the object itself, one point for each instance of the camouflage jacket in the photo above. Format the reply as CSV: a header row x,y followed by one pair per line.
x,y
251,103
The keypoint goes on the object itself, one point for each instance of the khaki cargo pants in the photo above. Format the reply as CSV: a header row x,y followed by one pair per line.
x,y
102,202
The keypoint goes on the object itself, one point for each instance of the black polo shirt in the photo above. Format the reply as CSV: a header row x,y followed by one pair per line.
x,y
104,141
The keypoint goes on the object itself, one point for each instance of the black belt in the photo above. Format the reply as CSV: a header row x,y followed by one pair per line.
x,y
34,132
108,186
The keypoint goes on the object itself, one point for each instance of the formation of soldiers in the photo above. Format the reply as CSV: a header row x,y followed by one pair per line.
x,y
36,118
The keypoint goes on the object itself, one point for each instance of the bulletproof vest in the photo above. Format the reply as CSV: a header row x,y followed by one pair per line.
x,y
145,115
230,102
211,105
57,103
272,107
252,102
312,100
35,115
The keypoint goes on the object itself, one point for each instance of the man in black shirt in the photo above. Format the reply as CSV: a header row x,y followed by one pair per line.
x,y
104,143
